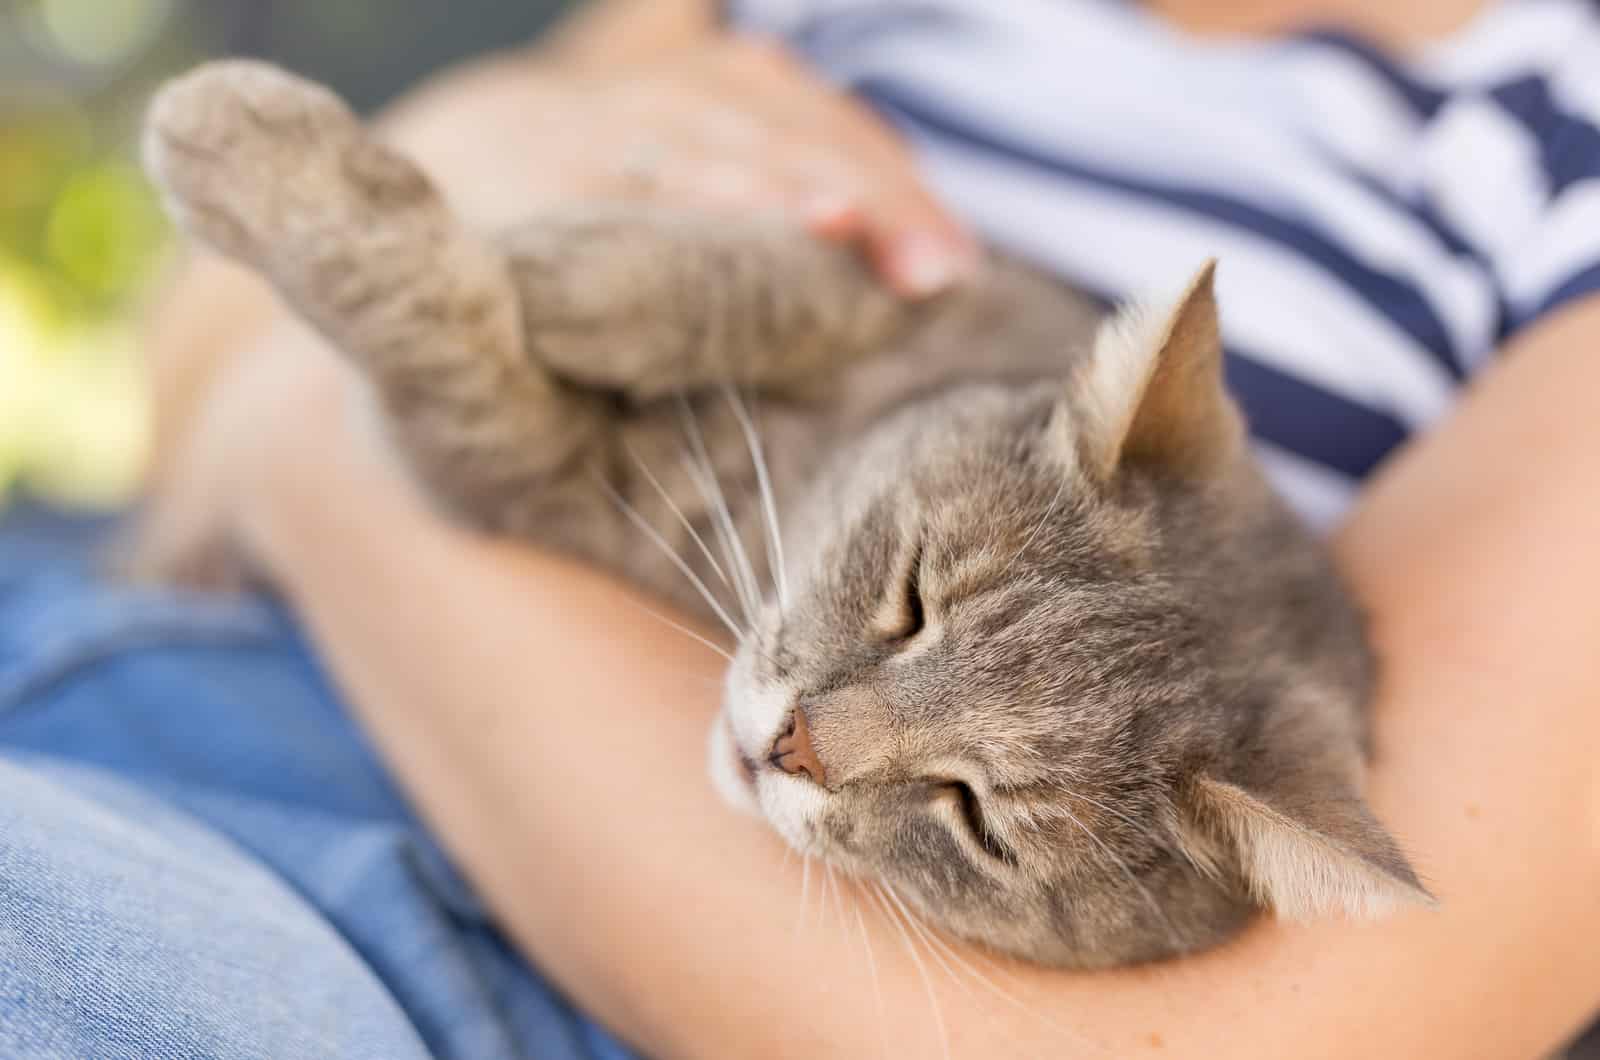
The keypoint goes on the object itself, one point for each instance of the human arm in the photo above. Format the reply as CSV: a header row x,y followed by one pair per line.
x,y
556,745
512,131
567,120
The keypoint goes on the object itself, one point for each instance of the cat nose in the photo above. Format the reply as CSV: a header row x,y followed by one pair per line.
x,y
793,752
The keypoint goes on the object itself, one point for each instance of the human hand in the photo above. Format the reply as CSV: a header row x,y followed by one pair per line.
x,y
504,138
734,124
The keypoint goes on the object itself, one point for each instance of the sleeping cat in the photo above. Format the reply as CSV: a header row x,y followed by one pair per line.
x,y
1021,630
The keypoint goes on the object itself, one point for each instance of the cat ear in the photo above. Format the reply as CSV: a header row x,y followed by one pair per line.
x,y
1324,858
1152,392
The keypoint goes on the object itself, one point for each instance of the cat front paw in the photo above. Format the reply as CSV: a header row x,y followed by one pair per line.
x,y
242,149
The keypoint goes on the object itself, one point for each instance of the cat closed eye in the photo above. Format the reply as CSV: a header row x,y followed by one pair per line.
x,y
970,809
910,614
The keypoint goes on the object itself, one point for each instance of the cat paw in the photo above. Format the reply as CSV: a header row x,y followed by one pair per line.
x,y
241,149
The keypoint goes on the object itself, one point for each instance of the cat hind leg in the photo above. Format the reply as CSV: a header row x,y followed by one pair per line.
x,y
278,173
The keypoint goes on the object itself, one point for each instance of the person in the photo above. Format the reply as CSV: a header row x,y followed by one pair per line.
x,y
202,854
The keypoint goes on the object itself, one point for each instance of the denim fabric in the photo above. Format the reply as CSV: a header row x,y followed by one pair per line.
x,y
201,856
128,930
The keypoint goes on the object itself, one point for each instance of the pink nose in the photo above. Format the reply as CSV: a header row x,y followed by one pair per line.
x,y
793,752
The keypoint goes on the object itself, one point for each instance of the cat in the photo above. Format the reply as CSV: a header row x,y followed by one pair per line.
x,y
1026,638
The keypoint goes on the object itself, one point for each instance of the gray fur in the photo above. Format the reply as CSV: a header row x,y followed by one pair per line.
x,y
1139,662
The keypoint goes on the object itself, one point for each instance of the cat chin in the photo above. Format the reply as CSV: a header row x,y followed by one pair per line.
x,y
730,777
790,806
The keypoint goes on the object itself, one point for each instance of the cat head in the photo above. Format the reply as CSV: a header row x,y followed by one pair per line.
x,y
1063,675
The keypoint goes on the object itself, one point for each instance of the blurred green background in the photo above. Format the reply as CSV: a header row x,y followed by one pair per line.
x,y
81,235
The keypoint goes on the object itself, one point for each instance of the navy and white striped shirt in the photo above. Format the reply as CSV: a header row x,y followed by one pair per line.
x,y
1384,224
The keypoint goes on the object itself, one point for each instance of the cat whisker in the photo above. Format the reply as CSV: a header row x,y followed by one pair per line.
x,y
1149,831
700,680
677,512
922,969
1150,899
805,892
912,921
928,937
872,974
933,937
672,554
722,526
1050,510
692,635
830,889
705,477
769,507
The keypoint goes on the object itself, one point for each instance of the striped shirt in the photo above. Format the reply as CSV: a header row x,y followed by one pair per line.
x,y
1383,223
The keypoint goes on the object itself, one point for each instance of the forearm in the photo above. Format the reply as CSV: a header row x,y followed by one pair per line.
x,y
553,733
572,786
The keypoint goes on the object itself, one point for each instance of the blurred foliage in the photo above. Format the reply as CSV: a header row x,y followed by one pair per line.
x,y
80,231
78,225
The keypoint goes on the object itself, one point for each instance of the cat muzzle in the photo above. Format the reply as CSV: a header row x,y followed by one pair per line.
x,y
793,752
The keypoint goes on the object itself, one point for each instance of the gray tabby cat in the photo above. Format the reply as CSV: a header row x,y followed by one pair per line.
x,y
1041,649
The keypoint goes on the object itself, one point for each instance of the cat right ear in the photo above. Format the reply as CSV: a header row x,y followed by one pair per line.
x,y
1326,857
1152,392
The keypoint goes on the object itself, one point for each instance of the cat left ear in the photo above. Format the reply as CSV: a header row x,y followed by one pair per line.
x,y
1152,392
1326,857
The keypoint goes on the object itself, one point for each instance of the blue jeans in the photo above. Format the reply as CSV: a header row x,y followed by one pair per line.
x,y
200,855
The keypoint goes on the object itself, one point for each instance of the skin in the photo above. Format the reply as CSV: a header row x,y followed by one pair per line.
x,y
1478,567
1474,555
504,134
